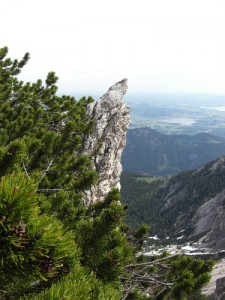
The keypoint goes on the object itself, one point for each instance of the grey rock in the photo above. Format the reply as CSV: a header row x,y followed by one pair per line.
x,y
111,119
209,218
217,274
219,293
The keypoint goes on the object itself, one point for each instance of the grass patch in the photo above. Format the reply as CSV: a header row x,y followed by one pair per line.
x,y
147,178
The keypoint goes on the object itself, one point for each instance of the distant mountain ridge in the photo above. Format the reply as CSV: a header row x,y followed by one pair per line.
x,y
148,151
190,204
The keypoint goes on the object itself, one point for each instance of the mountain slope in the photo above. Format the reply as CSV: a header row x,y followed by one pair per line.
x,y
209,218
148,151
191,202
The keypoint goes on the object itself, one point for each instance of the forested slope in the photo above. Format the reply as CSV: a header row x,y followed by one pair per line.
x,y
150,152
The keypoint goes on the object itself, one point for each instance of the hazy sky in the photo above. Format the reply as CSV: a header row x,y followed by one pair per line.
x,y
161,46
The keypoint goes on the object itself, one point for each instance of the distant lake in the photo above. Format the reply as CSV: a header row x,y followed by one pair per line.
x,y
182,121
219,108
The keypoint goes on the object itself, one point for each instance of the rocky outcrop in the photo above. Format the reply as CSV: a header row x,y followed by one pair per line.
x,y
219,293
111,120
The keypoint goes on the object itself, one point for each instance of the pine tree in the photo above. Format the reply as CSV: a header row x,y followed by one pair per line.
x,y
41,135
34,247
101,236
39,257
41,132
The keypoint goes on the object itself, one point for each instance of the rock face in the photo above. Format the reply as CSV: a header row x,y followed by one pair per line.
x,y
111,120
209,218
201,192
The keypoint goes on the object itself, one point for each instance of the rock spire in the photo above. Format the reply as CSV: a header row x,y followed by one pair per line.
x,y
111,120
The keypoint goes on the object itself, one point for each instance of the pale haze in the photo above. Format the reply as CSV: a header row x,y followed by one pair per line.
x,y
161,46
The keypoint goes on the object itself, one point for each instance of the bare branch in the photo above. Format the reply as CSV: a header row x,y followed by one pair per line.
x,y
50,191
150,279
45,171
138,276
25,170
154,262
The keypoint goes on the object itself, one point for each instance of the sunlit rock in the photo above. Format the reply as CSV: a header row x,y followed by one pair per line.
x,y
111,120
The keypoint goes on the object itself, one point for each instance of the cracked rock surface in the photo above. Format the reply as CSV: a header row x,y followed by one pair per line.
x,y
111,119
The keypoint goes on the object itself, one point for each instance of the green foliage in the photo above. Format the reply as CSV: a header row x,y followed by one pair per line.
x,y
105,248
41,137
137,295
142,201
192,274
106,291
34,247
142,231
41,132
38,255
78,285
